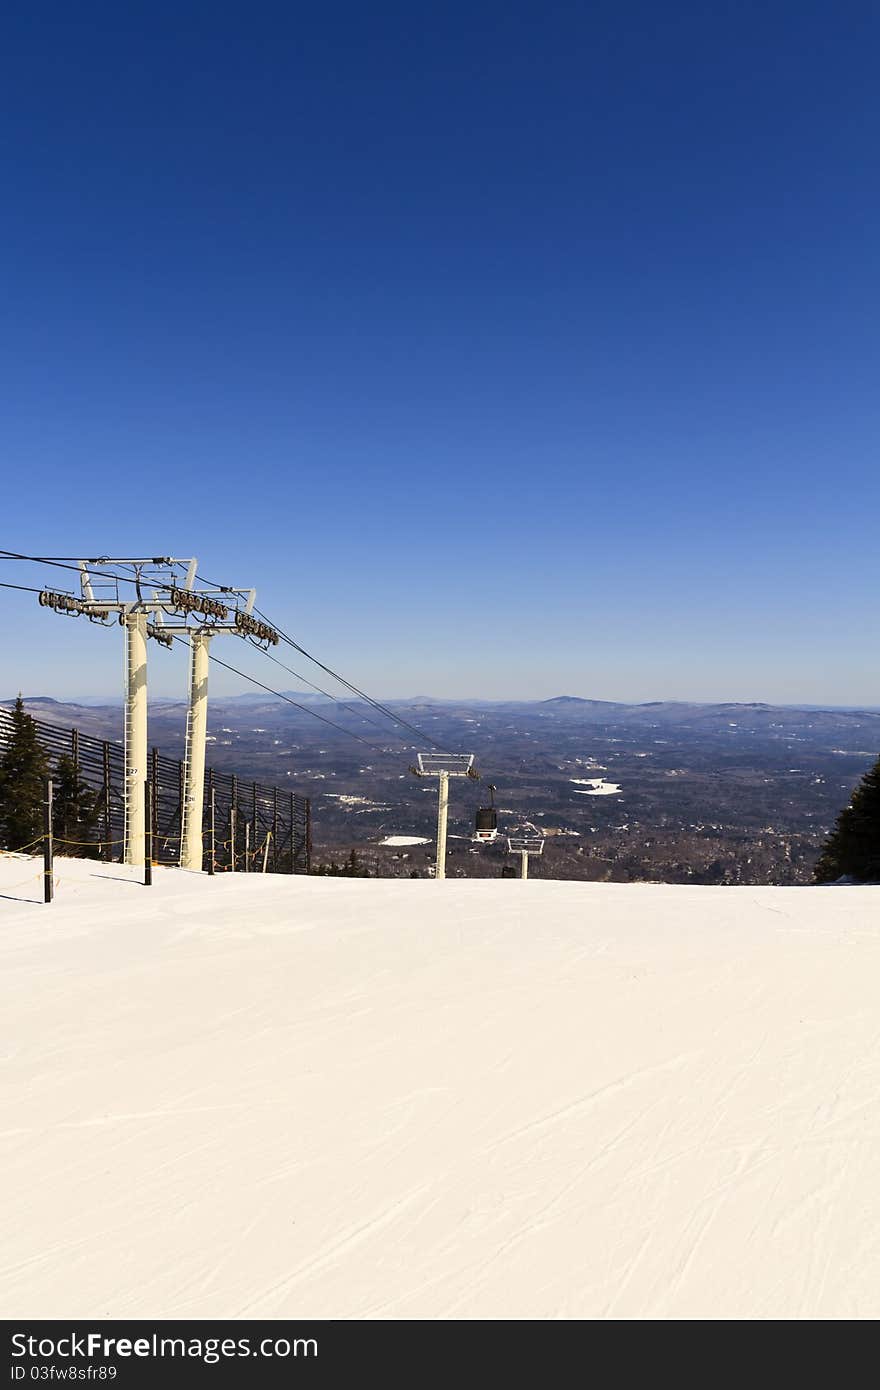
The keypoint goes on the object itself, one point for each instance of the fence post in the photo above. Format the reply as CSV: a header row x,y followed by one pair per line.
x,y
233,820
181,792
148,834
108,828
48,846
212,827
97,758
154,774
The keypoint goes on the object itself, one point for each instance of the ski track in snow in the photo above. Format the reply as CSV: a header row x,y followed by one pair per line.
x,y
276,1097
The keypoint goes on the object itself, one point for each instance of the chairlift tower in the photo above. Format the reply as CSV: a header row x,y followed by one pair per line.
x,y
161,593
210,612
193,809
133,616
443,766
532,842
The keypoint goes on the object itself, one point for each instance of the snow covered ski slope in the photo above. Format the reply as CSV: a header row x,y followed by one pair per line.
x,y
350,1098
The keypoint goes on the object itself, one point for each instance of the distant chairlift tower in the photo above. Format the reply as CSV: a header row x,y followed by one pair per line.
x,y
443,766
530,842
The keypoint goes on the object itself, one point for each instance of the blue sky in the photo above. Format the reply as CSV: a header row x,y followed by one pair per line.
x,y
510,350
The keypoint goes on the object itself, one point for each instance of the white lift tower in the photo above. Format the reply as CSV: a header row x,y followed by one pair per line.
x,y
443,766
134,616
161,594
532,842
187,601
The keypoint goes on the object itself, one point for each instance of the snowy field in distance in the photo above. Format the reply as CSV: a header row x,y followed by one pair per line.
x,y
272,1096
404,840
595,786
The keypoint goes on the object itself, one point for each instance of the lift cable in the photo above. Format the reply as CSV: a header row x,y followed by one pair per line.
x,y
359,714
278,695
25,588
28,589
377,705
355,690
63,563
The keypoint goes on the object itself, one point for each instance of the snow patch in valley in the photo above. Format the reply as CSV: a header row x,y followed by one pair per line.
x,y
595,786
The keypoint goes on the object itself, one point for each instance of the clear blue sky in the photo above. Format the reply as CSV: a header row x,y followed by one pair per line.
x,y
509,349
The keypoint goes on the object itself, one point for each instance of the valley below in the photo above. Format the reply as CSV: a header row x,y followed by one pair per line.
x,y
675,793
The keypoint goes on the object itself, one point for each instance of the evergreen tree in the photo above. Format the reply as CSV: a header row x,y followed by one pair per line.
x,y
23,767
331,870
852,850
74,808
349,868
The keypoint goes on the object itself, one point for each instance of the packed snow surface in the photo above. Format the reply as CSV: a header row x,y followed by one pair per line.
x,y
271,1096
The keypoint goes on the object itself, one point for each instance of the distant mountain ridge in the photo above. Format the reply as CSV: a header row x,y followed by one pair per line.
x,y
569,711
579,700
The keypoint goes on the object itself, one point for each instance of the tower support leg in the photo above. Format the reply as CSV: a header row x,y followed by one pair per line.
x,y
442,811
194,783
135,736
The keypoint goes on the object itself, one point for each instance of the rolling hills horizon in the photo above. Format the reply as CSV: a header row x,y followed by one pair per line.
x,y
671,792
560,702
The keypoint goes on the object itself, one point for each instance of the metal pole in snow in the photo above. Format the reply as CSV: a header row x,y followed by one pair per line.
x,y
48,845
136,739
442,812
213,828
148,835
